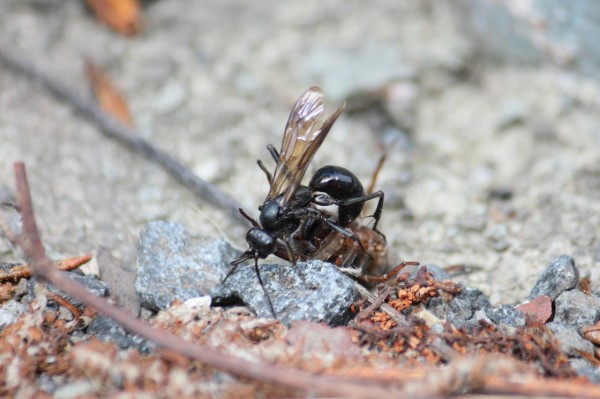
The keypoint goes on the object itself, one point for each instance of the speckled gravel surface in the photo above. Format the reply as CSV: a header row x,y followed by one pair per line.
x,y
212,83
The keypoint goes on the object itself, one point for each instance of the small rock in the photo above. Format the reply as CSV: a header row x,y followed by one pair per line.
x,y
313,291
461,310
500,193
175,264
107,329
513,113
539,309
586,369
501,245
560,275
10,312
472,222
507,315
481,316
569,339
498,236
90,282
169,98
577,309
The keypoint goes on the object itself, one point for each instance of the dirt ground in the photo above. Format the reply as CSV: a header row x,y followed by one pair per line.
x,y
212,83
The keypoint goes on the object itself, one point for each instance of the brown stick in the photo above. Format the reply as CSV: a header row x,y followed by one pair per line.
x,y
369,386
43,268
114,129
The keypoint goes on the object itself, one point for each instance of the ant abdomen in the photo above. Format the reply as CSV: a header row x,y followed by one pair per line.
x,y
340,184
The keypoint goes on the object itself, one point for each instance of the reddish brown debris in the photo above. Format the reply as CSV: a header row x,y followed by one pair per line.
x,y
15,272
269,360
584,285
538,310
109,98
123,16
592,333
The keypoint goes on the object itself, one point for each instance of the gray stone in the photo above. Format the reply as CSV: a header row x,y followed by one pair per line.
x,y
314,291
10,312
90,282
107,329
506,315
481,316
577,309
586,369
560,275
175,264
569,339
461,310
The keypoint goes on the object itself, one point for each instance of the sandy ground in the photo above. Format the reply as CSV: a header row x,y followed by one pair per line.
x,y
212,83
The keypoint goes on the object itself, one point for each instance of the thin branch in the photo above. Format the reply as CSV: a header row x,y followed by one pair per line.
x,y
464,376
398,317
114,129
43,268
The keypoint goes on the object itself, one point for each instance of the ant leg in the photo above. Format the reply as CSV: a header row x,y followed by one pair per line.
x,y
245,256
264,169
248,218
339,229
271,308
346,233
386,277
291,250
378,211
365,198
273,152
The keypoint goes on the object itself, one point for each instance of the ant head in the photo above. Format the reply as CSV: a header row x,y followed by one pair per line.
x,y
261,242
260,245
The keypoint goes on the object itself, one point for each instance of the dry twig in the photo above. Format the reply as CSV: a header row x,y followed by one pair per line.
x,y
43,268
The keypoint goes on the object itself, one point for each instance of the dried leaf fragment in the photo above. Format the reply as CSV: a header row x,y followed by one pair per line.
x,y
123,16
14,272
109,98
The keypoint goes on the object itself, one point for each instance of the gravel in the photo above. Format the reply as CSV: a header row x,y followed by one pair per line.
x,y
577,309
560,275
176,264
313,291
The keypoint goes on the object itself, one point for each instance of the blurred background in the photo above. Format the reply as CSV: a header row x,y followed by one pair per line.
x,y
487,111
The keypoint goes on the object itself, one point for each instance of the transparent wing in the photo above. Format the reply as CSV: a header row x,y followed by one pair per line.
x,y
304,134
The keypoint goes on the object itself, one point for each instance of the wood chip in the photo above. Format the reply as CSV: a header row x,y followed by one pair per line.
x,y
123,16
109,98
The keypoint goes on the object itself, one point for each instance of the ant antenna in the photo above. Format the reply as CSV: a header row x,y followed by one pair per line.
x,y
271,308
252,255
